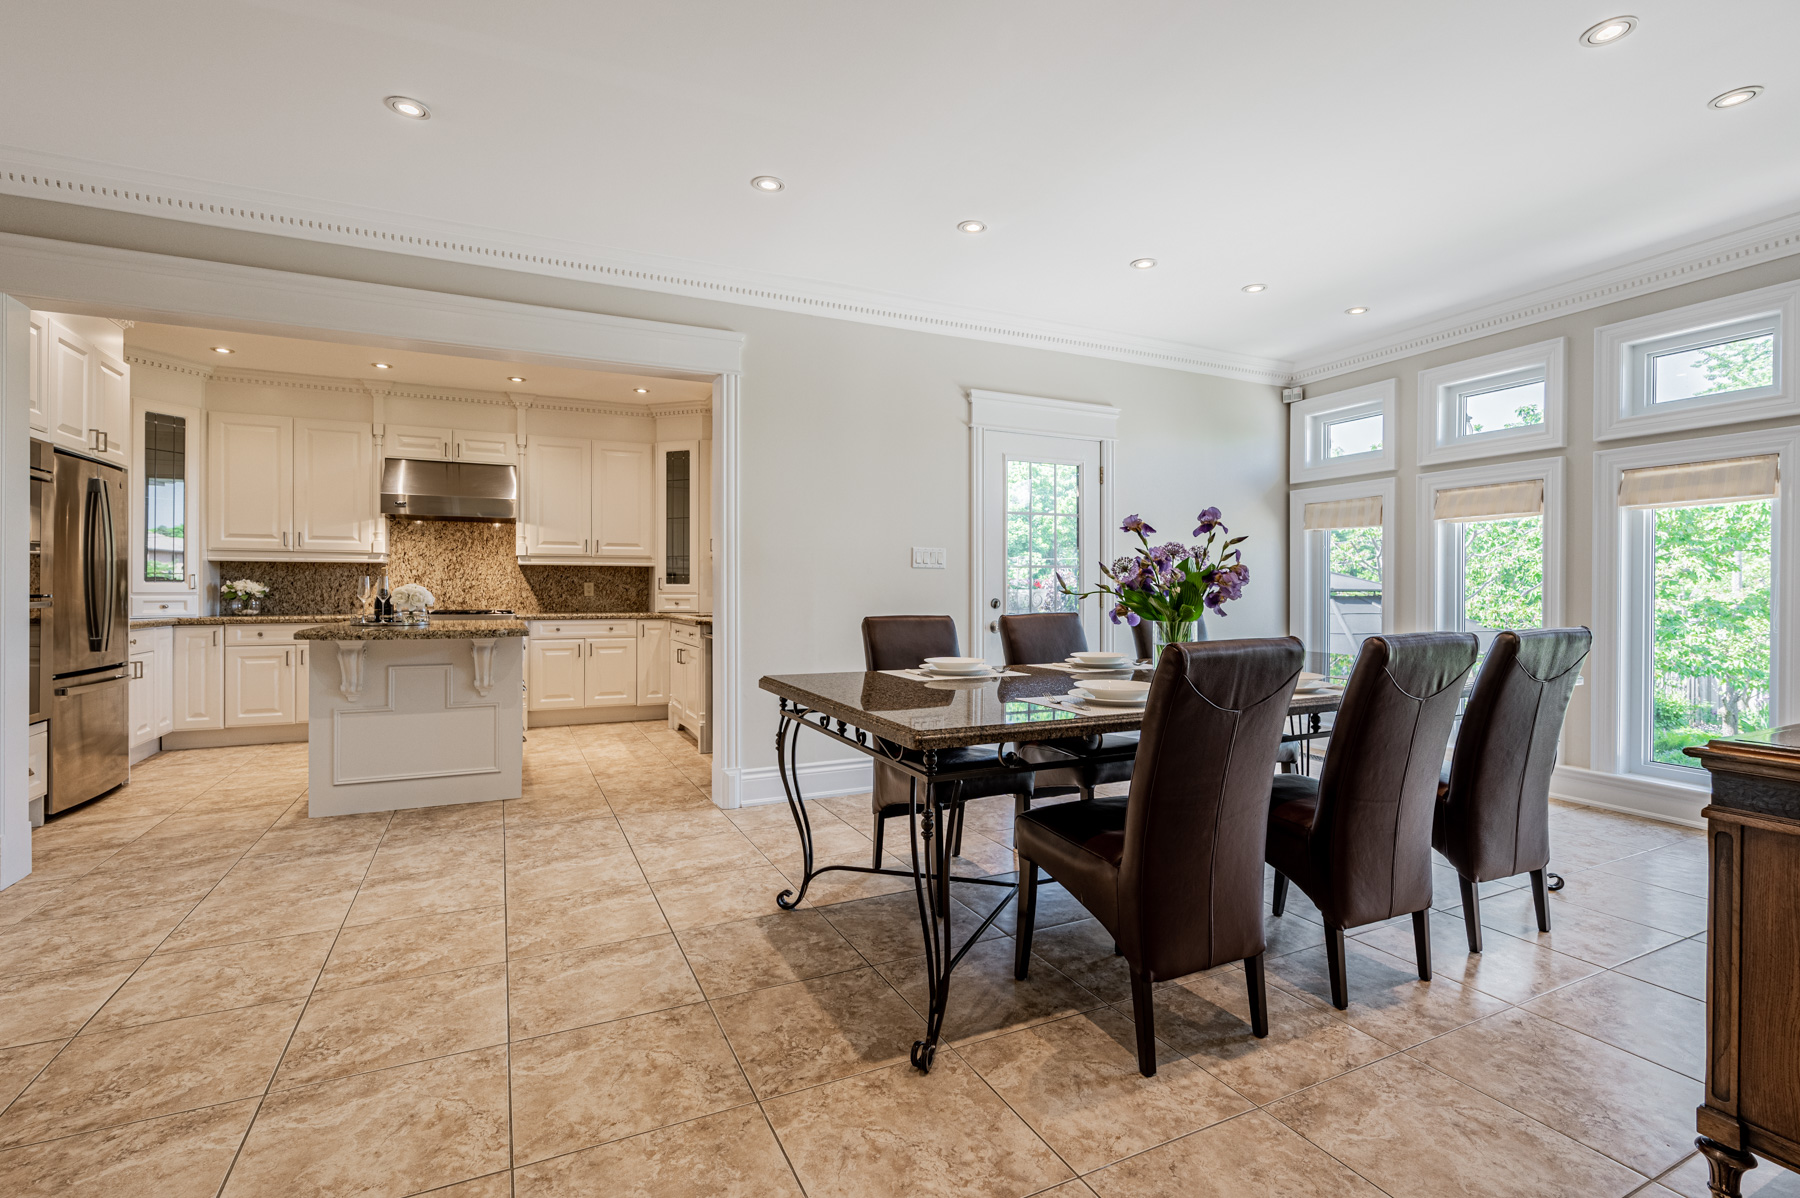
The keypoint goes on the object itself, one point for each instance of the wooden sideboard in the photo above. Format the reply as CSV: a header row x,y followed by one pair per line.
x,y
1753,956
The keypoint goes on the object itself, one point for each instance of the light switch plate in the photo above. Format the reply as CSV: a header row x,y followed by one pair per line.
x,y
927,559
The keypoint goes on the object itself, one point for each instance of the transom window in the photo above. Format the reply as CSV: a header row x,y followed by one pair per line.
x,y
1354,436
1501,403
1726,363
1493,406
1342,433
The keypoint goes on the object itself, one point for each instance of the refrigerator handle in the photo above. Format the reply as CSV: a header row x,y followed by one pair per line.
x,y
90,543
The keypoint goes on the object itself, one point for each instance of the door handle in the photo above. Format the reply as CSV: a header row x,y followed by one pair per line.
x,y
89,686
287,659
215,638
284,537
137,670
190,582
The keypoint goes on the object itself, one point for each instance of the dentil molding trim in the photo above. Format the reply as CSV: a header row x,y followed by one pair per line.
x,y
29,173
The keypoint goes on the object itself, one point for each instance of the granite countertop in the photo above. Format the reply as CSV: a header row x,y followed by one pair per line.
x,y
677,617
674,617
171,621
448,630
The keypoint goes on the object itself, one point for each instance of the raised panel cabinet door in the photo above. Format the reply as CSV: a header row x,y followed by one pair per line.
x,y
111,416
250,483
40,400
612,671
141,699
558,679
501,449
558,496
653,663
162,692
302,681
198,685
335,503
69,379
416,443
624,505
259,685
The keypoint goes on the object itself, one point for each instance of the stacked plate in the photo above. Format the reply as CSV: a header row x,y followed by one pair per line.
x,y
1311,684
1096,660
1113,692
956,667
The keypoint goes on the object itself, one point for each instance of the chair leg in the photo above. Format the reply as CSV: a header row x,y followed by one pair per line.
x,y
1280,903
880,829
1334,960
1471,899
1143,1013
1259,996
1540,895
1422,942
1028,884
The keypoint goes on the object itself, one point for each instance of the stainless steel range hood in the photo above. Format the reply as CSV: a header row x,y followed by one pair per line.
x,y
449,490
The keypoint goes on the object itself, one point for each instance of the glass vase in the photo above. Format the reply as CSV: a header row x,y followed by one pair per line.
x,y
253,606
234,607
1174,632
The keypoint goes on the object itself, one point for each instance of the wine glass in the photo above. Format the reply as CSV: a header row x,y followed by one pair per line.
x,y
364,590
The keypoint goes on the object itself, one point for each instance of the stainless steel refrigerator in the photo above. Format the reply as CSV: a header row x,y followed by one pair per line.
x,y
84,557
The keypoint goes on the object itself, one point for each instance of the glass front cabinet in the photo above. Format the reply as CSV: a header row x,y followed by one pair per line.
x,y
165,510
683,529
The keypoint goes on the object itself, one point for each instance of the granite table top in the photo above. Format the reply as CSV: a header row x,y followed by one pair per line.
x,y
447,630
946,713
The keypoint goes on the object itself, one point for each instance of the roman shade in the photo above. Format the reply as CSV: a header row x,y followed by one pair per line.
x,y
1497,501
1362,512
1693,484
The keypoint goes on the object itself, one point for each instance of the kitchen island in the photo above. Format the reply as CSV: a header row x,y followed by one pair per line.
x,y
414,717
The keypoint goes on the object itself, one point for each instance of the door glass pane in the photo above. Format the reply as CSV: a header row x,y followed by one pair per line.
x,y
1360,434
165,498
1732,366
676,471
1352,595
1504,407
1503,576
1710,662
1043,535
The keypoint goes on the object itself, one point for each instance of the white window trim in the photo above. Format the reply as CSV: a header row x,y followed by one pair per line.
x,y
1439,440
1300,604
1609,664
1617,410
1308,418
1433,578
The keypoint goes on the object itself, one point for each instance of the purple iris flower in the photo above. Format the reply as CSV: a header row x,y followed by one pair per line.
x,y
1209,520
1135,523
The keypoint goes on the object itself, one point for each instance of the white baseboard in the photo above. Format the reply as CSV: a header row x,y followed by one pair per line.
x,y
1651,798
818,780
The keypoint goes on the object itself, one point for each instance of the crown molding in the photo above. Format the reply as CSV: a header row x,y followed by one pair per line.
x,y
1762,241
45,176
146,357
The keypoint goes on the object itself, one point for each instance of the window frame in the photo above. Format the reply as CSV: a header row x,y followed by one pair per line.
x,y
1308,420
1303,565
1442,390
1622,405
1622,564
1439,578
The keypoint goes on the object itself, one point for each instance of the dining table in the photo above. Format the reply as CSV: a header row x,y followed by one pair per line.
x,y
908,720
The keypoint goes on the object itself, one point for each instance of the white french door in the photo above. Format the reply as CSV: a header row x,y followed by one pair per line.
x,y
1040,514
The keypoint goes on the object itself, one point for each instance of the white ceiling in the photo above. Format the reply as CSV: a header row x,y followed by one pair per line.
x,y
327,359
1414,156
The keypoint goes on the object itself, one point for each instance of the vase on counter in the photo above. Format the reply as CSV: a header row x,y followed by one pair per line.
x,y
253,606
234,607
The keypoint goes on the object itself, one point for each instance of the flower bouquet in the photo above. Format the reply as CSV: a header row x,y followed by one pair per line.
x,y
243,596
1172,585
411,599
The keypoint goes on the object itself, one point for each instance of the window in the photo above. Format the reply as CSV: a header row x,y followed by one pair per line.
x,y
1695,613
1509,402
1343,433
1043,534
165,498
1341,567
1493,556
1715,363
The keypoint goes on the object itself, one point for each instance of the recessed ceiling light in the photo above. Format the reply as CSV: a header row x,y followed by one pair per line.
x,y
408,107
972,226
1736,96
513,378
642,390
1255,287
1142,263
767,183
1608,31
1354,311
381,365
220,349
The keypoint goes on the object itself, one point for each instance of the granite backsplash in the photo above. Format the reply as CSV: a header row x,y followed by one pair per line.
x,y
465,565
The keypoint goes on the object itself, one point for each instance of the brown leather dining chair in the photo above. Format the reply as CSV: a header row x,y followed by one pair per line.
x,y
1357,838
1288,756
1174,870
1040,638
902,643
1493,812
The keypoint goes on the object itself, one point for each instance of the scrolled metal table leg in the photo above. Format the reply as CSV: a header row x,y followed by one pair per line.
x,y
933,825
787,764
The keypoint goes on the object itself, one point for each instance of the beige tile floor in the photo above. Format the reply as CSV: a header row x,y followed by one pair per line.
x,y
590,991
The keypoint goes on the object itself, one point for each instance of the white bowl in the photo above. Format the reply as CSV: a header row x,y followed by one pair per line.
x,y
1097,658
957,665
1116,690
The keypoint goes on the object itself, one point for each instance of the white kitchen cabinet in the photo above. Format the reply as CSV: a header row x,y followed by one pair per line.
x,y
683,546
416,443
611,672
653,663
110,433
250,484
40,403
259,685
557,674
302,682
558,496
198,684
688,683
83,397
500,449
37,761
149,693
68,384
162,651
165,509
335,504
140,695
624,509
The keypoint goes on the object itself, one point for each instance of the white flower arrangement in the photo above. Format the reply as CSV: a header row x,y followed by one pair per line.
x,y
412,597
243,588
